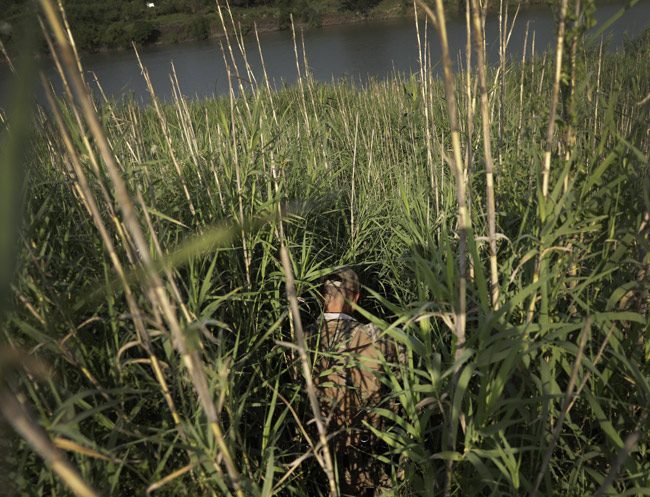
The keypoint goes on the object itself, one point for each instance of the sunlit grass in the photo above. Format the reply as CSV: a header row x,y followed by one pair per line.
x,y
357,180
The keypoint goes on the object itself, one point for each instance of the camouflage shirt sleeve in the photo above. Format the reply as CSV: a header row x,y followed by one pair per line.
x,y
393,352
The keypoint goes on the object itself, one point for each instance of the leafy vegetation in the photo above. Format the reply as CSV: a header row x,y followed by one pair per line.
x,y
115,24
151,283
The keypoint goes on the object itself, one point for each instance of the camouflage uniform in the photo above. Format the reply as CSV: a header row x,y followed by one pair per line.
x,y
350,355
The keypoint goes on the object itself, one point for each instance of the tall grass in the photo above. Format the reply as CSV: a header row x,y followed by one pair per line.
x,y
171,256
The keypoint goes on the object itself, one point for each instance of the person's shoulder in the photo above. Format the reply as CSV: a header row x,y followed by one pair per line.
x,y
381,340
371,331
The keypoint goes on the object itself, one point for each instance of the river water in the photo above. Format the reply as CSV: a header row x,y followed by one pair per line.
x,y
355,51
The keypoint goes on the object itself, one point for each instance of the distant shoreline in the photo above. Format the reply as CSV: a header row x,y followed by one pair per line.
x,y
177,29
270,23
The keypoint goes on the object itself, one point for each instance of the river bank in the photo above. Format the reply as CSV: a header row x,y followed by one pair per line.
x,y
184,28
358,52
107,28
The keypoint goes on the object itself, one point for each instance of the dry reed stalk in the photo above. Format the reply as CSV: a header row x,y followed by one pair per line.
x,y
10,63
211,164
424,85
597,103
233,60
548,147
303,99
464,223
630,444
532,57
136,139
73,45
22,422
106,103
521,85
369,145
569,99
543,72
353,191
273,164
238,179
91,205
501,75
165,130
487,149
276,189
171,477
569,132
505,34
68,93
239,38
306,370
160,254
158,296
469,156
568,400
185,119
267,82
550,131
308,75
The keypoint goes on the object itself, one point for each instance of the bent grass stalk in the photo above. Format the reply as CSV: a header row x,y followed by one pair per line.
x,y
306,370
21,421
158,295
568,400
91,205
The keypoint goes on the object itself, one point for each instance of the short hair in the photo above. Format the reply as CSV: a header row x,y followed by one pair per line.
x,y
343,280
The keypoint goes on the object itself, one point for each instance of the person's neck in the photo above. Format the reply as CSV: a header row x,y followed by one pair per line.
x,y
337,316
338,310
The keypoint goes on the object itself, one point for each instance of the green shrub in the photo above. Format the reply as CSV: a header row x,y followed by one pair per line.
x,y
359,5
116,35
144,32
199,28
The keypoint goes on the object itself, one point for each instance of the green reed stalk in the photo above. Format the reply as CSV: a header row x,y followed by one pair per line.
x,y
487,151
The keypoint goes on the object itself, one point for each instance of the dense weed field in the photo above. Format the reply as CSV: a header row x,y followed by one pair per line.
x,y
149,346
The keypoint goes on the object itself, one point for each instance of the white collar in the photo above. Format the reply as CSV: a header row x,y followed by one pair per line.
x,y
334,316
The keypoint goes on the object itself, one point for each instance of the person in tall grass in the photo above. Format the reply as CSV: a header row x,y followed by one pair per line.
x,y
352,356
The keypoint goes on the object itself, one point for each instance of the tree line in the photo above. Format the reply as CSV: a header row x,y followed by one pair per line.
x,y
115,24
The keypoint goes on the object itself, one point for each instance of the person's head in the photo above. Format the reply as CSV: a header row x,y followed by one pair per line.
x,y
341,289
